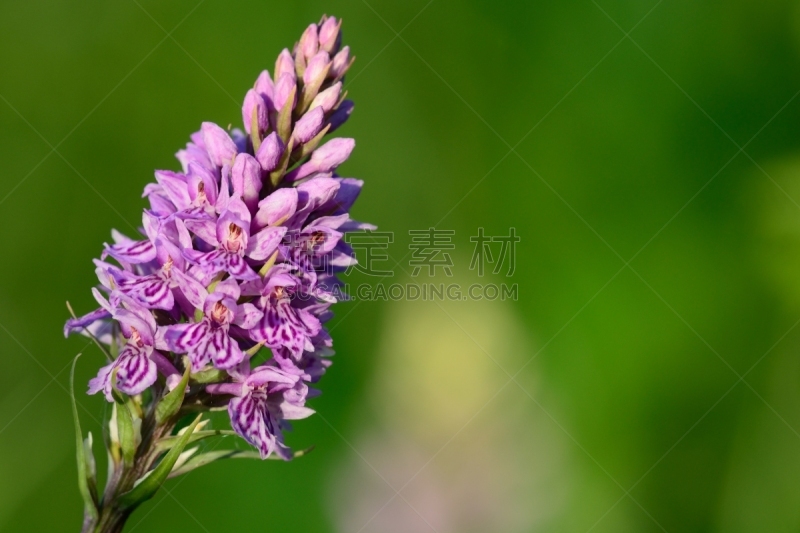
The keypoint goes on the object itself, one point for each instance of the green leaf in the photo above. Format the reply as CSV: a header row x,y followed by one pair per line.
x,y
209,457
149,484
213,375
85,479
171,403
127,438
91,466
168,442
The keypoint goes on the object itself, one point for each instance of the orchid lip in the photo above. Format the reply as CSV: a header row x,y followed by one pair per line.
x,y
135,338
219,313
235,238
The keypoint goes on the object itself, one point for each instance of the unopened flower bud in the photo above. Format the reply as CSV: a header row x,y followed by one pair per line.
x,y
283,89
309,43
284,65
270,152
324,159
327,98
246,179
308,126
276,207
341,63
254,103
265,87
221,148
329,35
332,154
317,69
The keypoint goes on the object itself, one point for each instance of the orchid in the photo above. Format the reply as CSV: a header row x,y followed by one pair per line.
x,y
237,259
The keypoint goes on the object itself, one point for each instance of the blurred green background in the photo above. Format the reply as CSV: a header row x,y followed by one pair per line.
x,y
626,412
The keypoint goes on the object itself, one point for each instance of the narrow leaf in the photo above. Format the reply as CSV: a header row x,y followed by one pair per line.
x,y
171,403
212,375
152,481
84,484
91,466
168,442
127,440
209,457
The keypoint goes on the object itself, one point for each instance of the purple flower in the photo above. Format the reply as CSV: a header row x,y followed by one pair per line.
x,y
209,339
262,400
138,362
283,324
230,237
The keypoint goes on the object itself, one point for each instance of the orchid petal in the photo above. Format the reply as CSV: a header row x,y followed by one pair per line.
x,y
264,243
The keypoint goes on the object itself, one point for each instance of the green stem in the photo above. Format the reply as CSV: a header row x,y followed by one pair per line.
x,y
112,516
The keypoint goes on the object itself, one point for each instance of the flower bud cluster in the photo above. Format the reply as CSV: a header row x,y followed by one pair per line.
x,y
240,252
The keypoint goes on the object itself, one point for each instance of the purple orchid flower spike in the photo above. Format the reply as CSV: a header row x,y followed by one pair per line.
x,y
231,238
239,257
262,400
209,339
